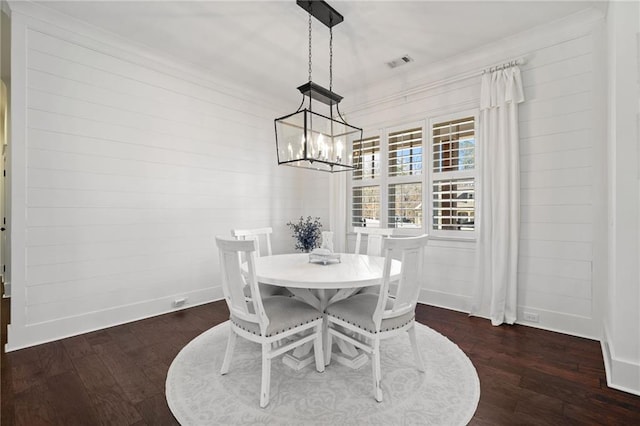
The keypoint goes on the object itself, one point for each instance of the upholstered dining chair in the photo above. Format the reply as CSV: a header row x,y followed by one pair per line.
x,y
278,323
262,237
374,237
369,318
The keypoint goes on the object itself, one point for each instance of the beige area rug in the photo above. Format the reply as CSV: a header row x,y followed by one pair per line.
x,y
446,394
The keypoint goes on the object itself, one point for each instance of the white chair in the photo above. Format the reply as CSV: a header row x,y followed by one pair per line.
x,y
259,235
370,318
327,240
278,323
374,239
256,234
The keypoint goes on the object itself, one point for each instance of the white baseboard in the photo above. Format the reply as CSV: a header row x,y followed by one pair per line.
x,y
20,337
450,301
621,374
560,322
552,321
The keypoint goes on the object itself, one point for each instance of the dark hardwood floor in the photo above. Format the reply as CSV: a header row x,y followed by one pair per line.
x,y
116,376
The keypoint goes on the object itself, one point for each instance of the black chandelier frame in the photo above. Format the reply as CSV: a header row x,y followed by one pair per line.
x,y
312,128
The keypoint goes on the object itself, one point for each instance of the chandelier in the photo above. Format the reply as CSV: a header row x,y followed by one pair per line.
x,y
307,138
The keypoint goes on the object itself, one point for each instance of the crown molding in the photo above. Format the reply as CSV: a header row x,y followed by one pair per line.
x,y
516,47
82,33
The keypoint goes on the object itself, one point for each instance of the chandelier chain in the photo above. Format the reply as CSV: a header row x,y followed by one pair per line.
x,y
309,46
331,59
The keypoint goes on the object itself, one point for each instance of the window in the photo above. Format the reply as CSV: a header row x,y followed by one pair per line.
x,y
387,191
365,198
391,190
405,178
405,205
453,176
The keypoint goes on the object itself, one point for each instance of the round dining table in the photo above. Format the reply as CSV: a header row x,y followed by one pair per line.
x,y
320,283
297,271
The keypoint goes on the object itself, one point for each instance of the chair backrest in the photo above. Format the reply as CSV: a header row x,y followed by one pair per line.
x,y
256,234
374,239
327,240
233,281
410,251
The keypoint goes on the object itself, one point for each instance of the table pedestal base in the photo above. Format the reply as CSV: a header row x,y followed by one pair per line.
x,y
354,362
344,354
296,363
351,362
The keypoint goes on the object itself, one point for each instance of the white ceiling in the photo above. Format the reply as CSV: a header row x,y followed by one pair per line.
x,y
263,45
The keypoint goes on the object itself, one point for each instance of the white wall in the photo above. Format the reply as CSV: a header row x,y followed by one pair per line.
x,y
5,75
123,168
621,342
562,147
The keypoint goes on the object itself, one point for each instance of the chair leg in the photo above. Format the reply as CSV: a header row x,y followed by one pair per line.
x,y
317,349
328,343
414,346
266,375
231,344
377,375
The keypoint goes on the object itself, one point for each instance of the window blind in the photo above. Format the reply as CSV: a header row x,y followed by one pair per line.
x,y
366,206
369,157
405,205
405,152
454,145
454,205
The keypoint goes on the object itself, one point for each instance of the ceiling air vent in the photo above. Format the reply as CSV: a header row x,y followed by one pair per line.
x,y
400,61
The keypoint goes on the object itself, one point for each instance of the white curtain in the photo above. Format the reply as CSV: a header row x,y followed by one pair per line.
x,y
498,199
338,210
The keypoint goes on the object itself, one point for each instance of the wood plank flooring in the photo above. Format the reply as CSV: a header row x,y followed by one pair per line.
x,y
116,376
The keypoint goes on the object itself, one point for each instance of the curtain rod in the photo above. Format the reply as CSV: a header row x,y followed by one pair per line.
x,y
442,82
513,63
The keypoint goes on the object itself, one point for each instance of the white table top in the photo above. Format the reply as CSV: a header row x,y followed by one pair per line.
x,y
295,270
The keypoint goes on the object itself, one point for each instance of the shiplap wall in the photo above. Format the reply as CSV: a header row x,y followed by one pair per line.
x,y
125,168
559,179
562,161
